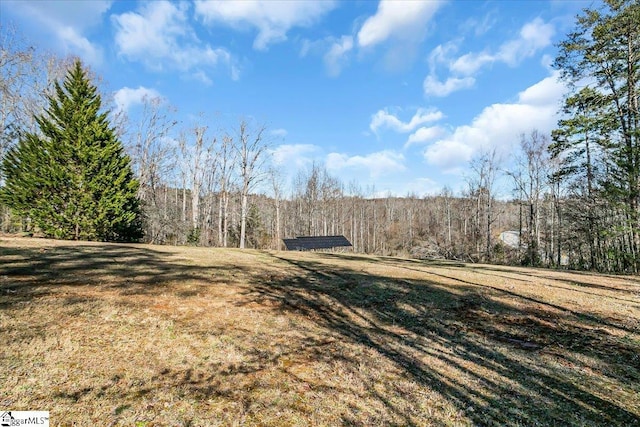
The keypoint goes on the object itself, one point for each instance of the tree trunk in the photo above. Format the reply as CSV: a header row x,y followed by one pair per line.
x,y
243,219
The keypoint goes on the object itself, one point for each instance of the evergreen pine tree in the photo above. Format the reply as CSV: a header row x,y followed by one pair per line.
x,y
599,141
73,179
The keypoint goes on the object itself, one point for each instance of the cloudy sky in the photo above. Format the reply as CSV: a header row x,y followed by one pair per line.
x,y
396,95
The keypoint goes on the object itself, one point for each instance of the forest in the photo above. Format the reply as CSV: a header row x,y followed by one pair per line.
x,y
574,199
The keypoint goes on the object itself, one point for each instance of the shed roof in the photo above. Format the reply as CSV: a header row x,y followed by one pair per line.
x,y
306,243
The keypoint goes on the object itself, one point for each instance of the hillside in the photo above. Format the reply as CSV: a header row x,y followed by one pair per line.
x,y
105,334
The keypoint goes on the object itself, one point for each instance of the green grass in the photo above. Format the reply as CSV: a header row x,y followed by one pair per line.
x,y
145,335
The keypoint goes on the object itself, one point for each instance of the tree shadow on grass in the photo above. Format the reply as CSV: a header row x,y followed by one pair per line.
x,y
494,352
27,273
486,270
631,284
399,319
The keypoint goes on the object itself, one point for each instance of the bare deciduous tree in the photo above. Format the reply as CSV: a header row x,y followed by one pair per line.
x,y
530,178
276,184
225,157
251,150
26,78
153,157
481,186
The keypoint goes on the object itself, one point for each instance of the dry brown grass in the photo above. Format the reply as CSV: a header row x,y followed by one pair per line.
x,y
140,335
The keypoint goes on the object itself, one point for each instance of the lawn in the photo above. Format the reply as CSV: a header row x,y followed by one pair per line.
x,y
139,335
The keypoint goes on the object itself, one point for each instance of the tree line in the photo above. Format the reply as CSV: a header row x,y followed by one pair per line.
x,y
574,199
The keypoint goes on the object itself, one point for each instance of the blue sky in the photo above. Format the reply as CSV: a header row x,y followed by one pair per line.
x,y
395,95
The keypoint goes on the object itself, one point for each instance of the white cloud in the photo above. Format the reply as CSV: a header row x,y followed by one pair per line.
x,y
126,97
308,46
316,47
153,32
79,45
432,86
159,35
449,153
547,61
545,92
442,53
272,18
397,18
423,135
336,57
470,63
419,187
498,125
335,52
375,164
279,133
480,27
72,13
402,20
298,155
68,20
384,119
533,36
202,77
423,187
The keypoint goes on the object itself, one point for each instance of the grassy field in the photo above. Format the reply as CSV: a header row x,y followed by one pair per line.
x,y
138,335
